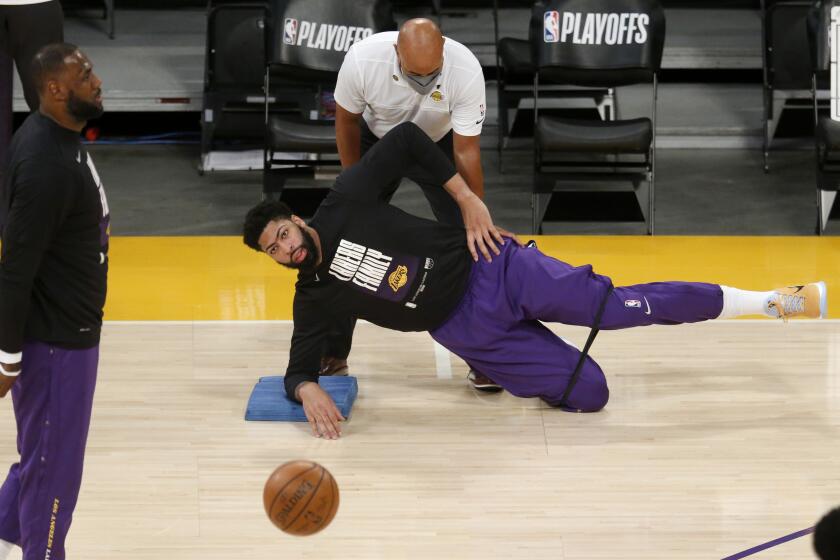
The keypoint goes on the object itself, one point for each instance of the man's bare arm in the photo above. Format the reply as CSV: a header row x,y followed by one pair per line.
x,y
467,154
348,136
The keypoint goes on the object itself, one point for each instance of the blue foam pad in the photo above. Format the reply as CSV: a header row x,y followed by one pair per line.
x,y
268,400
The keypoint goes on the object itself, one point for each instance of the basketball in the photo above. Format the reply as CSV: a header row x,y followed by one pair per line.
x,y
300,497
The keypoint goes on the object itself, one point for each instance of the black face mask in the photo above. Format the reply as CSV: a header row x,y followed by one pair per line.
x,y
82,111
309,262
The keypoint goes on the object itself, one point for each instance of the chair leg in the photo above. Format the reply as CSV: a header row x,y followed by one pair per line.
x,y
539,205
767,99
652,202
766,149
534,212
274,180
111,19
826,203
502,126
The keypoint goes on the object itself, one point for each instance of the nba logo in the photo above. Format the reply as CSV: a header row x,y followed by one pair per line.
x,y
290,31
551,27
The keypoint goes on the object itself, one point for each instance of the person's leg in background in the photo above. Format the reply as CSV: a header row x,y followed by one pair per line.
x,y
24,29
6,92
32,26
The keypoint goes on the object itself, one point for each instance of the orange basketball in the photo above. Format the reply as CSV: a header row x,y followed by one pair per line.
x,y
300,497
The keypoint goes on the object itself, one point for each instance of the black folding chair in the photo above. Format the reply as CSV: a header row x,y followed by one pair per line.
x,y
234,75
515,69
787,78
596,44
300,69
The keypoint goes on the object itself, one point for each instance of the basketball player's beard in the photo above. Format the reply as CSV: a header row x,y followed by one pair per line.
x,y
310,261
82,111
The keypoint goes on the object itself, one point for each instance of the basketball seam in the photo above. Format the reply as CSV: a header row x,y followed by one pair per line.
x,y
306,505
280,491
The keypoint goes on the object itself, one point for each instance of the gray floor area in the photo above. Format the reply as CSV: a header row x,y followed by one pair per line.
x,y
155,190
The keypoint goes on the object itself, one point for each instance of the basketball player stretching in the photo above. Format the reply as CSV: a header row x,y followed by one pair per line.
x,y
363,258
53,274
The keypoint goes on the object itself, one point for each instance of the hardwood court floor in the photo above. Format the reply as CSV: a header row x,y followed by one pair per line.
x,y
718,437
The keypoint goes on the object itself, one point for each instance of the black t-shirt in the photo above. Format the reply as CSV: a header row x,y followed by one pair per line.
x,y
54,263
379,263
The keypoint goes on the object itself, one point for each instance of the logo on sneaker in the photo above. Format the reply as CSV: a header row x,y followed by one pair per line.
x,y
632,303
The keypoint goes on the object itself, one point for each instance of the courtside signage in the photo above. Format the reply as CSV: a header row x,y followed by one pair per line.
x,y
322,36
628,28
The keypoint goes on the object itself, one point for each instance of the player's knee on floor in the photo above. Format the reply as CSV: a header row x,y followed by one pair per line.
x,y
590,393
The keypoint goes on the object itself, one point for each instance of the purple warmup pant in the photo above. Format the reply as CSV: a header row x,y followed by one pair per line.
x,y
52,402
496,328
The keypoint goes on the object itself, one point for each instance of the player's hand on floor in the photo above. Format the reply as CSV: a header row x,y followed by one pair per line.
x,y
482,235
6,381
323,416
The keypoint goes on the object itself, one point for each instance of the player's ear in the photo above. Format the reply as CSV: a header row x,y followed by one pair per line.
x,y
297,221
54,90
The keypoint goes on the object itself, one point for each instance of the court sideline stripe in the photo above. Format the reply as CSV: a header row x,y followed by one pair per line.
x,y
771,544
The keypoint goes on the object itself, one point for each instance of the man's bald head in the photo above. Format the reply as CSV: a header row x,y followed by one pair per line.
x,y
420,47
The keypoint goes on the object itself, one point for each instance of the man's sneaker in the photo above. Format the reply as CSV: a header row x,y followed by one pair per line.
x,y
481,382
333,366
808,301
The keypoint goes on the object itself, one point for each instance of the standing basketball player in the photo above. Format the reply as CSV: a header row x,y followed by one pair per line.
x,y
419,76
363,258
53,274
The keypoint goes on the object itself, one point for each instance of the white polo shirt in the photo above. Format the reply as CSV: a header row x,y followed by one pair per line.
x,y
370,82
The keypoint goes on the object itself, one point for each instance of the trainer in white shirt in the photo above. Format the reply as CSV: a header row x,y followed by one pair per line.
x,y
390,78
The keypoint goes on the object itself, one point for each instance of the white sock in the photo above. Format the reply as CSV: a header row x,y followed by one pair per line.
x,y
744,302
5,549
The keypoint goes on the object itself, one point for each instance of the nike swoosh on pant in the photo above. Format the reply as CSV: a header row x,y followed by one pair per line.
x,y
648,306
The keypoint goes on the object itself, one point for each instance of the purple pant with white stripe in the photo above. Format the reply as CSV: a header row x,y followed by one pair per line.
x,y
497,326
52,402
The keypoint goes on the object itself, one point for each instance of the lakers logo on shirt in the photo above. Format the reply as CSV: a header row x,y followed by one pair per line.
x,y
436,96
398,278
